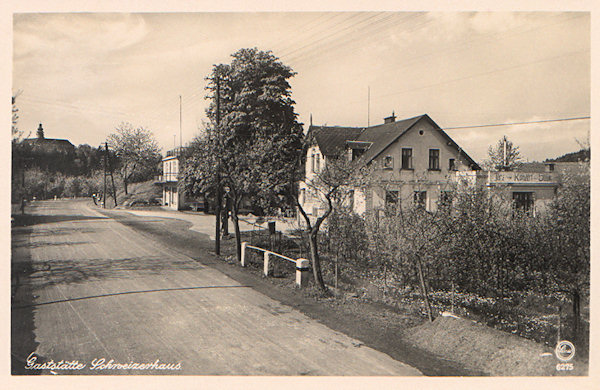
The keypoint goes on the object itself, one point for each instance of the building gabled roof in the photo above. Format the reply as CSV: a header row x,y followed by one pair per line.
x,y
384,135
49,143
332,139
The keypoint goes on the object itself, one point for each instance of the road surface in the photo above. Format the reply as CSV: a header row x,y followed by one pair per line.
x,y
205,223
95,289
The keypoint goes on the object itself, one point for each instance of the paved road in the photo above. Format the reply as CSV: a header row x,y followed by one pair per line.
x,y
97,289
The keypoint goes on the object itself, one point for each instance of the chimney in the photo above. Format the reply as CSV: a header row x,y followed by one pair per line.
x,y
390,119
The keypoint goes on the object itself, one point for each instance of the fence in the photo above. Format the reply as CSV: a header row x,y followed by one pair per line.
x,y
302,265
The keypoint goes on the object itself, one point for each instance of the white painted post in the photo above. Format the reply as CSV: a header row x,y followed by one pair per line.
x,y
244,244
266,263
302,272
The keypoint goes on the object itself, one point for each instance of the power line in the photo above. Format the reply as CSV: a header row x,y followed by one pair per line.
x,y
465,44
327,48
353,25
519,123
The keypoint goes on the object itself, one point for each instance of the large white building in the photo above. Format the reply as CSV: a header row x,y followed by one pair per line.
x,y
414,161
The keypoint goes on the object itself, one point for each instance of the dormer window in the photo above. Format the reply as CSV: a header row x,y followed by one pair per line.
x,y
356,153
357,148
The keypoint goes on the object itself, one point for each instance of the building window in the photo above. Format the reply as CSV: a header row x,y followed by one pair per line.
x,y
356,153
312,163
445,199
434,159
451,165
318,163
420,199
391,199
407,158
388,162
523,202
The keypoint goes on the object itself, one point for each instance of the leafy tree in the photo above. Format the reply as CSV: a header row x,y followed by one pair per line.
x,y
568,237
253,133
86,159
504,156
137,152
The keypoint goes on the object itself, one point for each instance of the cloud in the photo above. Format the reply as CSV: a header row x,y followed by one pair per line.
x,y
79,32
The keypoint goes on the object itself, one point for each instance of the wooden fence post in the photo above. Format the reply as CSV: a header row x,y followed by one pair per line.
x,y
266,263
302,272
243,261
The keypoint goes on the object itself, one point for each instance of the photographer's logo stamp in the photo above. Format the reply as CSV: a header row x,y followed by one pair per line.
x,y
565,352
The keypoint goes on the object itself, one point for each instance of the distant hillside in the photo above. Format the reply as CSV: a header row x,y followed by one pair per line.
x,y
582,155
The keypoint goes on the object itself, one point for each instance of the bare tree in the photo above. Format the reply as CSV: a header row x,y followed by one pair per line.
x,y
338,176
504,156
137,151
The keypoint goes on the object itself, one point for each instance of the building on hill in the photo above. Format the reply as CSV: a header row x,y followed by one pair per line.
x,y
414,161
48,154
48,145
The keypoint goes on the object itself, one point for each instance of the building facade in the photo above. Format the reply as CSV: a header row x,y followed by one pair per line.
x,y
413,162
530,187
173,192
525,190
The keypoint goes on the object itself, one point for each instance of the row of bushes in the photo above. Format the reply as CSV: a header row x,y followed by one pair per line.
x,y
40,184
478,244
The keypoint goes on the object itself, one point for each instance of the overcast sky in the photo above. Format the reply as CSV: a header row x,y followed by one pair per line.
x,y
82,74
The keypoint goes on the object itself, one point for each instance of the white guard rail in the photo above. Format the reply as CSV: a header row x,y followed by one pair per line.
x,y
302,265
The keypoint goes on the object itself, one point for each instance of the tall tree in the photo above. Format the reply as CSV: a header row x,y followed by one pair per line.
x,y
137,152
253,133
504,156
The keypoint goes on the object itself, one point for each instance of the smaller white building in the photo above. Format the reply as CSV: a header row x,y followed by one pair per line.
x,y
530,188
173,192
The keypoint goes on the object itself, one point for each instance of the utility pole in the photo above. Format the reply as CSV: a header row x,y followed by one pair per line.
x,y
504,162
225,217
180,131
104,192
218,184
112,179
